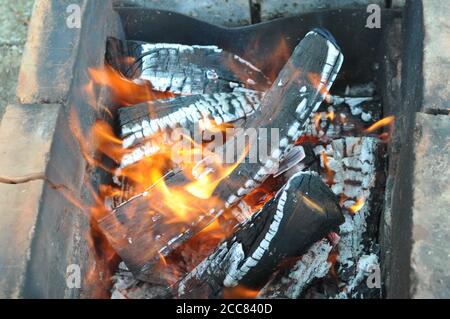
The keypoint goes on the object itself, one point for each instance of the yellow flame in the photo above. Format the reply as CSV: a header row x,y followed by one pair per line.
x,y
357,206
204,186
381,123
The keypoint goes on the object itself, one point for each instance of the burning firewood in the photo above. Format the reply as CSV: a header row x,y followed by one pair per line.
x,y
187,70
145,126
143,228
301,213
144,120
290,282
353,161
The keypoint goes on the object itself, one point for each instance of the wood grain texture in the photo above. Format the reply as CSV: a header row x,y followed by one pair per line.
x,y
298,91
301,213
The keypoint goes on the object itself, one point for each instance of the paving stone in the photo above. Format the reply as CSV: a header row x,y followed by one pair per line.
x,y
13,32
436,55
26,135
271,9
54,69
224,13
50,60
43,229
430,253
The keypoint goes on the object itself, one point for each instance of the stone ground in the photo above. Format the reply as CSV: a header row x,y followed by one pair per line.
x,y
14,17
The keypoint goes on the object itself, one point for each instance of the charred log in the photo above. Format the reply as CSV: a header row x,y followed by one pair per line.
x,y
353,161
187,70
298,91
291,282
162,116
302,212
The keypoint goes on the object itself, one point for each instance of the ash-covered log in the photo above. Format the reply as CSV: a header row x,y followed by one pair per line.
x,y
163,116
183,69
303,211
291,282
299,90
354,162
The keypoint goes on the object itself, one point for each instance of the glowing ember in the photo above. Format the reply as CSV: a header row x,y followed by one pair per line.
x,y
330,115
187,200
328,171
240,292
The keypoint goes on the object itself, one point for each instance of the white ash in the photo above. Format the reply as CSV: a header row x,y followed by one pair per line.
x,y
366,266
186,70
364,89
224,257
125,286
356,106
123,281
353,161
330,124
147,149
351,232
214,109
148,47
313,264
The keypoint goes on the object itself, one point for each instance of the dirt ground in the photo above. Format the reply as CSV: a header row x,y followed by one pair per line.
x,y
14,17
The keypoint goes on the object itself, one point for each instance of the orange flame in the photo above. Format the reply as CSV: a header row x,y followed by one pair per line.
x,y
184,202
357,206
328,171
125,91
317,119
381,123
330,115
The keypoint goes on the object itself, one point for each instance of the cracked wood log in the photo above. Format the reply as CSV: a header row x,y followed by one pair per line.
x,y
140,237
356,170
293,162
303,211
297,160
187,70
148,126
139,123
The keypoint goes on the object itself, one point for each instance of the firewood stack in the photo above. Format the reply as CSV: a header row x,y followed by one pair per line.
x,y
293,230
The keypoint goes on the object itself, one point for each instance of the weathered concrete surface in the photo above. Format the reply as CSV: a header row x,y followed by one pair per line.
x,y
271,9
390,84
436,55
224,13
397,247
26,134
430,254
412,260
50,57
55,68
44,225
13,32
